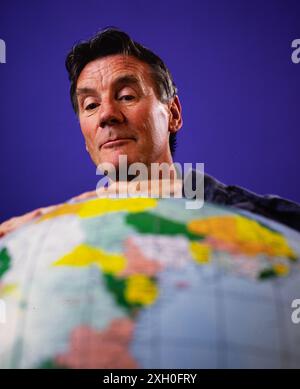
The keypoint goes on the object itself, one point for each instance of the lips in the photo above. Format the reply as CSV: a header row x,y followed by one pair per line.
x,y
116,142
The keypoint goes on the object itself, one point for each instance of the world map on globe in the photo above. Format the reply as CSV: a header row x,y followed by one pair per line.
x,y
147,283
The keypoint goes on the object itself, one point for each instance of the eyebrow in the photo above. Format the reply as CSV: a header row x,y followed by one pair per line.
x,y
127,79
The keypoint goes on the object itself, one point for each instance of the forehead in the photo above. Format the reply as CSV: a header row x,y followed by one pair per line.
x,y
103,71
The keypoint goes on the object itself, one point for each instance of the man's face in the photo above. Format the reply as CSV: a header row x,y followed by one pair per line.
x,y
119,112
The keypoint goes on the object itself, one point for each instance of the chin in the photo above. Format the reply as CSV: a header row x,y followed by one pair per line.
x,y
114,162
113,156
113,159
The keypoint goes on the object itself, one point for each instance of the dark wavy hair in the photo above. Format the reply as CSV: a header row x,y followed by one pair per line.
x,y
110,41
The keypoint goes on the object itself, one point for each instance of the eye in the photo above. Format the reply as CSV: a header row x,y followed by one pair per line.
x,y
91,106
127,97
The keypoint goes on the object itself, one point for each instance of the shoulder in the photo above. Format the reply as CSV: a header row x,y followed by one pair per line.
x,y
271,206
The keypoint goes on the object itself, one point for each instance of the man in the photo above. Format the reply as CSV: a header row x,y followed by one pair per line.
x,y
127,104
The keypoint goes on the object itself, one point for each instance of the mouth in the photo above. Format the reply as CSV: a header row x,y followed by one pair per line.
x,y
116,142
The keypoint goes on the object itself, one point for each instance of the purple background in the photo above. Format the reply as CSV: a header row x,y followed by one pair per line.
x,y
231,61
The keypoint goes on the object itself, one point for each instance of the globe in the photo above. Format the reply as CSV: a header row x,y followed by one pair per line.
x,y
146,283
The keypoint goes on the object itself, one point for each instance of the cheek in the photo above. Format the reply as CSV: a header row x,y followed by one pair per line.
x,y
87,129
162,120
159,122
152,121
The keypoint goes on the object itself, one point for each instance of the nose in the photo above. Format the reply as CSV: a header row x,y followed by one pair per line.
x,y
110,113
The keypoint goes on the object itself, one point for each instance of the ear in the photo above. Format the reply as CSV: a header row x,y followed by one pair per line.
x,y
86,148
175,120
